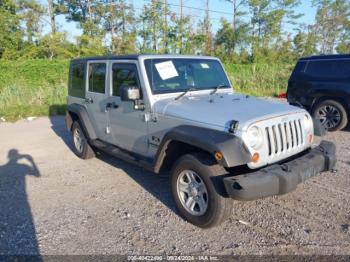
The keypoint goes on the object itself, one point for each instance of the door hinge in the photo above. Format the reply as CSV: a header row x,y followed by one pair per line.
x,y
150,117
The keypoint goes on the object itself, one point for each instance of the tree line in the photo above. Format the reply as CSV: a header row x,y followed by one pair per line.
x,y
255,33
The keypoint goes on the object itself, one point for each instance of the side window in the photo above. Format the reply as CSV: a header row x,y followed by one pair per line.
x,y
298,69
97,77
77,76
124,74
338,69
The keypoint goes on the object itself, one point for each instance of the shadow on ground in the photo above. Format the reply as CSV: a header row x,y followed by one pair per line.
x,y
17,230
157,185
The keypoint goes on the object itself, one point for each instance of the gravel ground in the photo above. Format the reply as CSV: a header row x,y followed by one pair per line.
x,y
54,203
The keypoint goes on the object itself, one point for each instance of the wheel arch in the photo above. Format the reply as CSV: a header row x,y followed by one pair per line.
x,y
188,139
320,99
76,112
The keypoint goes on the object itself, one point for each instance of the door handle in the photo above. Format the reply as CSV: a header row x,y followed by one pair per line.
x,y
111,106
89,100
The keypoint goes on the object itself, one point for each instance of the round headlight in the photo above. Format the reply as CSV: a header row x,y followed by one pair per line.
x,y
308,124
254,137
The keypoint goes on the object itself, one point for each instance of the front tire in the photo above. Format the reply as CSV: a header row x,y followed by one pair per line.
x,y
198,190
332,115
81,146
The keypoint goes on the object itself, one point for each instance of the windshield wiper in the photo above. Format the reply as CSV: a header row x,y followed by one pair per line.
x,y
185,92
218,87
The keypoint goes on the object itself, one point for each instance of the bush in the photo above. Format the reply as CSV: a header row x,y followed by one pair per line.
x,y
30,87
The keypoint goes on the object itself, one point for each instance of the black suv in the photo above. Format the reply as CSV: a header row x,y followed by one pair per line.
x,y
321,84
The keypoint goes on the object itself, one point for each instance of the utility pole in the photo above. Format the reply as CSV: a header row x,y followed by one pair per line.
x,y
165,26
181,25
207,28
154,2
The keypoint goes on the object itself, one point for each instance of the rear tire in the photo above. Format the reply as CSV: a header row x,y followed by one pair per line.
x,y
201,199
81,146
332,114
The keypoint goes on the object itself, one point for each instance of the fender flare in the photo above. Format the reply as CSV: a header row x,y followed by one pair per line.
x,y
84,120
232,147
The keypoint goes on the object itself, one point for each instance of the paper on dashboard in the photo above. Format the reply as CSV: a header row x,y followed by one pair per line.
x,y
166,70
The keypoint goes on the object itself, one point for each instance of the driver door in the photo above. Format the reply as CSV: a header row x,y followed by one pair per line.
x,y
128,127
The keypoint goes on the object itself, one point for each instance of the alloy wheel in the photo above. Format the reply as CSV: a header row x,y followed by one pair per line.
x,y
192,192
329,116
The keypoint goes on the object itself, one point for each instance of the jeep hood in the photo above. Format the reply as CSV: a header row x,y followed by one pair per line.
x,y
221,108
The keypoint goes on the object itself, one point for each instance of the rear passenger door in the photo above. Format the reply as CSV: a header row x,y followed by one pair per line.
x,y
96,96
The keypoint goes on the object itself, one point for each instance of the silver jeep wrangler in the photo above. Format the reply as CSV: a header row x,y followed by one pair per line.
x,y
179,115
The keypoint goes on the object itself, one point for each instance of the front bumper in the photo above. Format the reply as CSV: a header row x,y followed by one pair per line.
x,y
282,178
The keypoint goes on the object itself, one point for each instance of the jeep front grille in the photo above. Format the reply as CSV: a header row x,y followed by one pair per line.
x,y
284,137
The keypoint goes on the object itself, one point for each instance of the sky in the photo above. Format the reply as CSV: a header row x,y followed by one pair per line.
x,y
305,8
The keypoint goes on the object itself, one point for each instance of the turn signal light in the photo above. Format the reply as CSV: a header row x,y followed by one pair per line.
x,y
218,156
311,138
255,157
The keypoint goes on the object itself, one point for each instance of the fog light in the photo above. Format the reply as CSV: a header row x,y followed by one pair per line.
x,y
255,157
218,156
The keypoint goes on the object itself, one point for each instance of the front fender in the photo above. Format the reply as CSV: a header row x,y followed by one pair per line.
x,y
232,147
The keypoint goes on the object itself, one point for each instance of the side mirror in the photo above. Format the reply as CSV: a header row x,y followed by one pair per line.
x,y
130,93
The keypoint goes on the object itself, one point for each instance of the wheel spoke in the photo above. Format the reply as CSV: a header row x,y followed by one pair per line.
x,y
201,188
190,203
184,187
191,177
201,203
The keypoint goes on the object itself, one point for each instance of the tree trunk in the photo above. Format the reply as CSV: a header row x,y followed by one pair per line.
x,y
234,15
52,16
112,26
154,37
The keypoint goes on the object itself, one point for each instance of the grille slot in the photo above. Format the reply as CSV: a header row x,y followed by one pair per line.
x,y
284,137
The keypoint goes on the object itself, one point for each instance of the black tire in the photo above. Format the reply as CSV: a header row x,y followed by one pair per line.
x,y
218,206
85,151
332,121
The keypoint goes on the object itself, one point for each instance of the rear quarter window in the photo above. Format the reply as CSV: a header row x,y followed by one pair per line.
x,y
334,69
97,77
298,69
77,80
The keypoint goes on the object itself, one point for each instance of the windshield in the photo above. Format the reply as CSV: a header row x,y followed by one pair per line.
x,y
179,74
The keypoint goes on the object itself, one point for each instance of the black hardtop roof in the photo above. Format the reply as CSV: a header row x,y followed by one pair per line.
x,y
325,57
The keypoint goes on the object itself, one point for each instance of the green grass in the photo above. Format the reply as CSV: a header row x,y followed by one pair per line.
x,y
39,87
259,79
32,88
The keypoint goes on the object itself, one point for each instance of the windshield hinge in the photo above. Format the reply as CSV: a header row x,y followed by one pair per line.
x,y
150,117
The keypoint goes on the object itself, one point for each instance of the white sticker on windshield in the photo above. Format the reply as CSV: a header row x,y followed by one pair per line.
x,y
166,70
205,66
